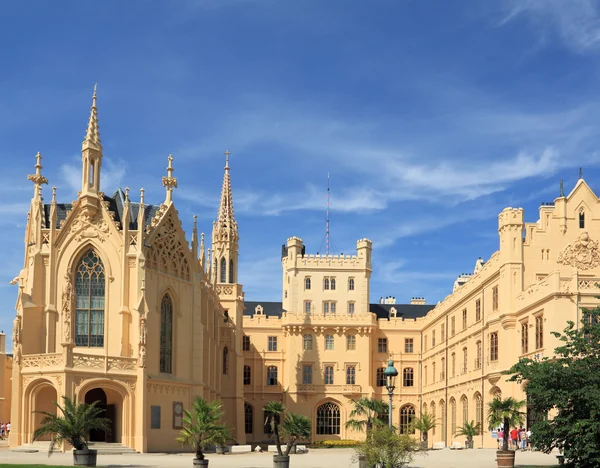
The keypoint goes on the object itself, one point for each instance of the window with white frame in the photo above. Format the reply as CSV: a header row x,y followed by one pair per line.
x,y
350,284
329,342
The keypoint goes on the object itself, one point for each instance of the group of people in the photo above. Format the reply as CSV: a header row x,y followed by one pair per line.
x,y
4,430
520,439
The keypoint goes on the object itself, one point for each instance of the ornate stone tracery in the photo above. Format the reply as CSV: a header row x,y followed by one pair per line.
x,y
582,254
67,309
167,253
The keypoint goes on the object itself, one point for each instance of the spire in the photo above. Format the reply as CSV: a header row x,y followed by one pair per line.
x,y
202,252
195,237
226,218
562,188
38,179
581,172
92,135
169,181
54,195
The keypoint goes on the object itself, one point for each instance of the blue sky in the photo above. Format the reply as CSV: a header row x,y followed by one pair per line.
x,y
430,117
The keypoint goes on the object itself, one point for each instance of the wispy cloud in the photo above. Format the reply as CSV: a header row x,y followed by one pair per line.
x,y
111,175
576,22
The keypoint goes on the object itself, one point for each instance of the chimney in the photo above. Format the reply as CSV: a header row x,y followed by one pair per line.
x,y
417,301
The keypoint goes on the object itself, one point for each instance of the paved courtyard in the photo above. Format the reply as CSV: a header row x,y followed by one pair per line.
x,y
321,458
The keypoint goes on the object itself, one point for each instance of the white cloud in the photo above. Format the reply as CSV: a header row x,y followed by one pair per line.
x,y
577,22
111,175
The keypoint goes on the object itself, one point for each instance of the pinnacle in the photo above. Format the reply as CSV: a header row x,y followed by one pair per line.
x,y
226,218
92,135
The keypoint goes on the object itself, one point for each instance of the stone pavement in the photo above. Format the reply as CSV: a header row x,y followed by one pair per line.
x,y
320,458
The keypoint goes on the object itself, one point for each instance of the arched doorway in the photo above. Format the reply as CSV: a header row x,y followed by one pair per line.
x,y
43,398
112,403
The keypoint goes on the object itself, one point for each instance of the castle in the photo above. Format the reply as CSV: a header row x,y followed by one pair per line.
x,y
114,305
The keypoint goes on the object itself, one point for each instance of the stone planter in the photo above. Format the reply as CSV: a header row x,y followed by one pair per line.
x,y
469,444
280,461
362,461
200,462
220,449
293,449
505,459
85,457
424,445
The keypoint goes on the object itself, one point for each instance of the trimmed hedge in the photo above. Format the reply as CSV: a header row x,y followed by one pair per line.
x,y
335,443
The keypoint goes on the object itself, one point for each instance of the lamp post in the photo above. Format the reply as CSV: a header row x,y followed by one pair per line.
x,y
390,374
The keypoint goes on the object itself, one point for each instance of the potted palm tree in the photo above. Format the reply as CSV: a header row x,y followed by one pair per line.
x,y
468,430
508,414
293,427
201,428
424,423
73,426
366,415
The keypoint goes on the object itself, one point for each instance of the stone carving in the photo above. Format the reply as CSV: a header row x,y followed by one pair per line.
x,y
96,362
582,254
142,344
67,309
121,363
16,337
168,254
84,227
42,360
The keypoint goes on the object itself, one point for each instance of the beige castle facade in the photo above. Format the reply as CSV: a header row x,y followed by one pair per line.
x,y
115,306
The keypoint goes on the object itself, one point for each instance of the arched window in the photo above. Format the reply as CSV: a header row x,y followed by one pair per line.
x,y
433,414
272,375
465,361
247,375
465,410
494,346
89,301
333,284
166,334
351,284
225,361
453,416
223,270
231,278
479,412
328,419
407,415
581,219
408,377
424,408
307,283
444,420
326,283
248,418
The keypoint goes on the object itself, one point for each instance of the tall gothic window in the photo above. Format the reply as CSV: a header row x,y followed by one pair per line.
x,y
248,418
247,375
89,294
231,279
328,419
465,410
453,416
407,415
581,219
166,334
479,413
223,270
225,361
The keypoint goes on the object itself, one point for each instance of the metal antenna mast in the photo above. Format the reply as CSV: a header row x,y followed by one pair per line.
x,y
327,219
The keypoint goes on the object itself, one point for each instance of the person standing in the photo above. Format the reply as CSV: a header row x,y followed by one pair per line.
x,y
523,436
529,440
500,438
7,429
514,437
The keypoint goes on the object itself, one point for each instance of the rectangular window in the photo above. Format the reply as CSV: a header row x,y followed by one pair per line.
x,y
425,376
307,307
452,326
453,365
307,374
351,375
155,417
247,375
479,356
329,342
332,284
245,343
326,284
332,307
382,345
495,298
478,310
494,346
465,361
380,377
464,315
307,342
328,375
443,337
425,342
325,308
351,342
408,345
350,284
307,283
524,338
350,308
433,338
271,375
272,343
539,332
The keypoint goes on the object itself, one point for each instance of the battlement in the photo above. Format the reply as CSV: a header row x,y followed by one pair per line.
x,y
510,217
295,251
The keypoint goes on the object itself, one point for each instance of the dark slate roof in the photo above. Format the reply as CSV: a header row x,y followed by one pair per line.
x,y
270,309
116,204
382,311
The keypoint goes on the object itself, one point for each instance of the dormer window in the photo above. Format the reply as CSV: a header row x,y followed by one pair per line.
x,y
581,219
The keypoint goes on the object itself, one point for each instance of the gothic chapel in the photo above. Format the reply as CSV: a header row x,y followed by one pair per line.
x,y
113,306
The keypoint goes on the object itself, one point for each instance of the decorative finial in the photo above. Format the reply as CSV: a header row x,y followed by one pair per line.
x,y
126,194
92,135
94,96
54,195
38,179
143,284
562,188
581,173
195,221
169,181
142,196
227,153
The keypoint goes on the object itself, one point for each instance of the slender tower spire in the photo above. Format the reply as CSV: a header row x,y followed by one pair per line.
x,y
226,218
38,179
202,252
195,238
327,218
169,181
91,160
92,135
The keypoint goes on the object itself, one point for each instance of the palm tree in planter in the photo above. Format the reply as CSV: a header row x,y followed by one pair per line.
x,y
201,428
508,414
293,427
468,430
424,423
367,414
73,426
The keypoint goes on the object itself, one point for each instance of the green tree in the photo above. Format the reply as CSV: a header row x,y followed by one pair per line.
x,y
568,384
424,423
273,411
468,430
388,449
506,412
294,427
367,414
74,425
201,426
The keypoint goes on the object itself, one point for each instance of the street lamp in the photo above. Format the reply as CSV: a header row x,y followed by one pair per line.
x,y
390,374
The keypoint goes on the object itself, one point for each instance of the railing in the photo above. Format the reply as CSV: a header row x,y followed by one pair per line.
x,y
104,362
346,389
42,360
